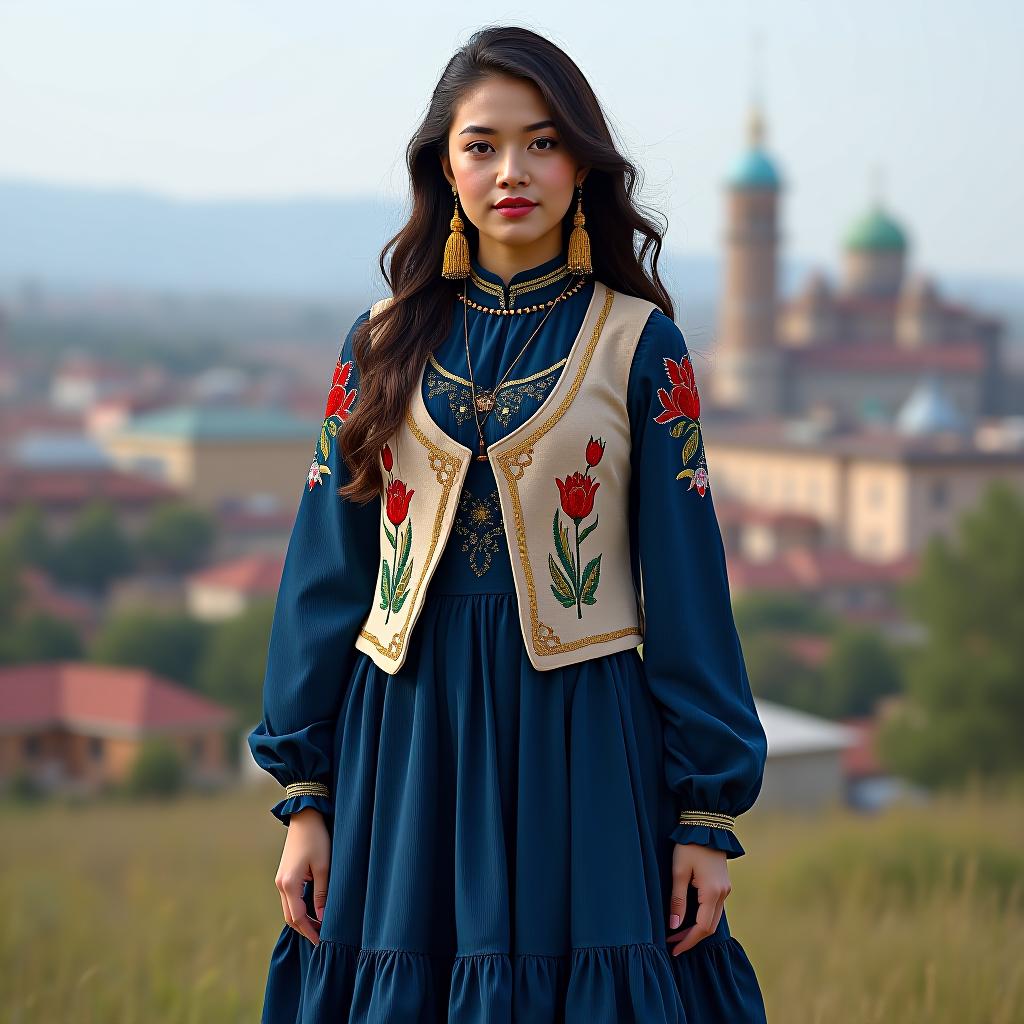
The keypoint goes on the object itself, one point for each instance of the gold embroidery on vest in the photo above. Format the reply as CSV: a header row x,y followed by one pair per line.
x,y
460,394
513,464
520,287
446,468
479,521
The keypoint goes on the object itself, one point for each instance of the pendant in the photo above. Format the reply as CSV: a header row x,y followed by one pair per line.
x,y
482,455
485,401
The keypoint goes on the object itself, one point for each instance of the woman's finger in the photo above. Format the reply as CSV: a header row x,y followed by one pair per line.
x,y
707,901
677,902
321,877
300,920
284,908
718,914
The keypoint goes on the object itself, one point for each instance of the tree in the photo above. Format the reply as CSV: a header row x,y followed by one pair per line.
x,y
177,537
789,613
964,713
860,668
27,536
777,674
168,645
235,661
95,552
11,589
36,636
159,770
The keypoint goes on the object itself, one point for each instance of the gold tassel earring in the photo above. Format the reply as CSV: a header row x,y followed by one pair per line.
x,y
455,266
579,240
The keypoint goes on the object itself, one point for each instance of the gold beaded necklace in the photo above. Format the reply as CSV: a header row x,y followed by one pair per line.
x,y
485,401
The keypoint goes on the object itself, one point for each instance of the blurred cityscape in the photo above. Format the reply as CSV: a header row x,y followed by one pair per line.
x,y
154,447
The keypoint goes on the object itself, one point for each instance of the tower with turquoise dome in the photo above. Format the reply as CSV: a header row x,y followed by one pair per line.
x,y
874,254
747,375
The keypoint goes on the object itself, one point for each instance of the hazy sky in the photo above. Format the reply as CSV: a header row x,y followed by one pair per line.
x,y
222,98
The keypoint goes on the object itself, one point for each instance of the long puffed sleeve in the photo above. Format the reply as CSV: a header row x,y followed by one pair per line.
x,y
326,590
715,746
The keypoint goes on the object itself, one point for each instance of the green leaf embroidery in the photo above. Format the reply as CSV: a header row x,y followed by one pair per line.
x,y
404,554
390,536
323,442
562,588
690,448
565,556
586,533
402,591
385,584
591,578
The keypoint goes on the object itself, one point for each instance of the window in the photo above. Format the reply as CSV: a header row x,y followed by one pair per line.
x,y
95,748
32,746
939,493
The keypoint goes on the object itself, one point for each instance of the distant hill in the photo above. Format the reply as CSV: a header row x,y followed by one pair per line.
x,y
78,238
85,238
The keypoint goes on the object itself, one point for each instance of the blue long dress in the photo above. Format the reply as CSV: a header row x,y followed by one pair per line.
x,y
502,837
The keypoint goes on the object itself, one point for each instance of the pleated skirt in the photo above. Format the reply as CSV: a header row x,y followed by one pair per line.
x,y
500,847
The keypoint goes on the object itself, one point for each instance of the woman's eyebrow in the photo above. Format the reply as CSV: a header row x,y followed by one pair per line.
x,y
478,129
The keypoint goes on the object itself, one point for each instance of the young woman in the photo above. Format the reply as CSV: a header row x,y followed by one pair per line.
x,y
499,807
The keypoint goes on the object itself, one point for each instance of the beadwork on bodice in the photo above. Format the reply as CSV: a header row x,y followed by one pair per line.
x,y
510,396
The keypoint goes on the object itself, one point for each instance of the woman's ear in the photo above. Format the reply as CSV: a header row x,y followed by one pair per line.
x,y
581,175
446,167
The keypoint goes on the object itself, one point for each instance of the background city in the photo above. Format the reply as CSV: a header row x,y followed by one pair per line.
x,y
191,207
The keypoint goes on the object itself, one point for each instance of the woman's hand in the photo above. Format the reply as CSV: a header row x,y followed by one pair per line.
x,y
306,856
710,873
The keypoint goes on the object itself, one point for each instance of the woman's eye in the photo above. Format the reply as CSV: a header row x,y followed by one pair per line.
x,y
471,148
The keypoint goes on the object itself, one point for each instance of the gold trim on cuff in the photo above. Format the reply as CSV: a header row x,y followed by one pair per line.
x,y
711,819
306,789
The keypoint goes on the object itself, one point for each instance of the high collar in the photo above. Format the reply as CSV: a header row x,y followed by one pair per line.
x,y
527,287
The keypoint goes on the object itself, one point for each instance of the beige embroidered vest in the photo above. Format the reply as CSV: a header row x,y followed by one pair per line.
x,y
563,486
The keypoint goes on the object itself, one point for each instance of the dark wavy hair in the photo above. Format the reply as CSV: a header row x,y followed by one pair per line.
x,y
420,317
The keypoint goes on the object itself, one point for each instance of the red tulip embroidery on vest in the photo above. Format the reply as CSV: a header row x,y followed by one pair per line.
x,y
570,585
339,405
395,576
683,403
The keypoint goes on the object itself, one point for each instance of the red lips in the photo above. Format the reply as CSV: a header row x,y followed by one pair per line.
x,y
514,201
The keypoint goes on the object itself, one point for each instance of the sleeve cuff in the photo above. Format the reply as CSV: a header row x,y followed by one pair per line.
x,y
300,795
709,828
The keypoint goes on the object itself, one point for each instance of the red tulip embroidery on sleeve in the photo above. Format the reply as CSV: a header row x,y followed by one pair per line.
x,y
570,585
682,403
339,406
395,576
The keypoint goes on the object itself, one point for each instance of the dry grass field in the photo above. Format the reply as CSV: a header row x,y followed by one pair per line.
x,y
158,913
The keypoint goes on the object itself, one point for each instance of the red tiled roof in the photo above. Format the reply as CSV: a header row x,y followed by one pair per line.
x,y
966,357
74,487
809,648
90,368
861,758
103,697
16,420
882,442
810,569
730,510
42,595
252,574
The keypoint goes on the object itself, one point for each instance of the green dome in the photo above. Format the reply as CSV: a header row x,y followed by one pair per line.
x,y
754,169
875,230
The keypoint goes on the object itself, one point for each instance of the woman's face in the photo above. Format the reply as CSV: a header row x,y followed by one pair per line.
x,y
502,144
